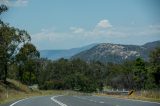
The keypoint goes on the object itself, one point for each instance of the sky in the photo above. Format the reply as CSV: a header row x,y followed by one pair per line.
x,y
64,24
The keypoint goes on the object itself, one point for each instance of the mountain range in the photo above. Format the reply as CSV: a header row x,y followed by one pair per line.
x,y
104,52
66,53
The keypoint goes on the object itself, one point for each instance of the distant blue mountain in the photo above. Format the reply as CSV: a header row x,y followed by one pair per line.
x,y
66,53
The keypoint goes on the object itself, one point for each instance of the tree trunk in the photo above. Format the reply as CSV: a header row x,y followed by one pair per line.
x,y
30,75
5,73
20,74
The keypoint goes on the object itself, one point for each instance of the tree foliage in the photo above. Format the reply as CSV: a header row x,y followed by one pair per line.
x,y
10,40
26,59
155,66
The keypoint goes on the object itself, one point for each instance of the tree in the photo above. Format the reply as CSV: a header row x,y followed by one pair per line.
x,y
10,40
26,58
140,73
127,74
98,72
3,8
155,65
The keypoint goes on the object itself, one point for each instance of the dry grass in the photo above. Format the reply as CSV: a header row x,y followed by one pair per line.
x,y
15,95
17,90
150,95
12,91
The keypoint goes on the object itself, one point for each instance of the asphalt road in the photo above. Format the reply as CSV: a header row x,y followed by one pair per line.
x,y
61,100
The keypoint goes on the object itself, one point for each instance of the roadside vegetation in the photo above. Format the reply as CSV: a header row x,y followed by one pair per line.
x,y
145,95
15,90
20,60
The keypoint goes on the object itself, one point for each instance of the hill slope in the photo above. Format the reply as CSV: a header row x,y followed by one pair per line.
x,y
107,52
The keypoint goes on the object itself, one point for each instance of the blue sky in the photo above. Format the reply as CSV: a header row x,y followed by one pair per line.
x,y
63,24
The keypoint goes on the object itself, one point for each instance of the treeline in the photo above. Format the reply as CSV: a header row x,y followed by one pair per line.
x,y
93,76
88,77
74,75
20,60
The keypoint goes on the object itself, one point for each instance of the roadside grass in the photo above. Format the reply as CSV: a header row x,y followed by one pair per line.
x,y
16,95
149,95
16,90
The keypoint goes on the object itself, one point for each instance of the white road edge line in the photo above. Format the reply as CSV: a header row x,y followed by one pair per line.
x,y
58,102
18,101
129,99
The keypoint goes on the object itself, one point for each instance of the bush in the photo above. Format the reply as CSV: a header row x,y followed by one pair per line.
x,y
54,84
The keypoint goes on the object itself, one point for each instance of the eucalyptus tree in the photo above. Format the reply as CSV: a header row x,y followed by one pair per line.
x,y
27,59
155,65
11,39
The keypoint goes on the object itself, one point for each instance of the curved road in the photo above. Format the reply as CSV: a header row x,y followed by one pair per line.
x,y
61,100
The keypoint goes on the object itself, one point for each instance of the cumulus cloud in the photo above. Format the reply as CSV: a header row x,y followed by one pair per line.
x,y
104,24
14,3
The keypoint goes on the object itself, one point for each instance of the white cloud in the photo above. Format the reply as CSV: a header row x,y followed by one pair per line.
x,y
104,24
76,36
14,3
151,30
48,38
76,30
